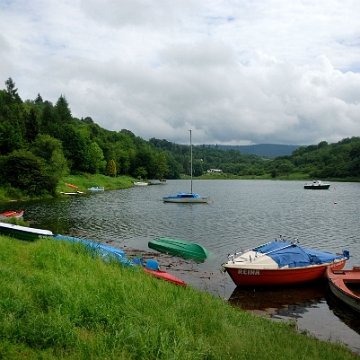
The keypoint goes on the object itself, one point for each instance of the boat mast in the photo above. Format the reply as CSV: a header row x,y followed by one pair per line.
x,y
191,170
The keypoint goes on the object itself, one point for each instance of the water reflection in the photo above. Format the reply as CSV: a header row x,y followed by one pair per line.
x,y
290,301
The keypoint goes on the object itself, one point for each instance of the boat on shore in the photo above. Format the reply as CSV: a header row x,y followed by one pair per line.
x,y
345,285
281,262
317,185
71,186
96,188
11,214
185,197
102,250
23,232
72,193
140,183
152,268
181,248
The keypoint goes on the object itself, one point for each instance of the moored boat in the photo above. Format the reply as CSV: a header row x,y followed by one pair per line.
x,y
23,232
316,185
345,285
11,214
185,197
281,262
152,268
181,248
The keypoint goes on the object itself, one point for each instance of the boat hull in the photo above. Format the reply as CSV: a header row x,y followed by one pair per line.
x,y
318,187
23,232
160,274
338,281
181,248
265,277
183,198
11,215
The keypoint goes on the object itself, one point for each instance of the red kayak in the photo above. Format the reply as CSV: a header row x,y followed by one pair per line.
x,y
72,186
152,268
165,276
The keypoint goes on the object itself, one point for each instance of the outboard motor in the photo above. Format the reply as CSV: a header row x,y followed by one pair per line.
x,y
346,254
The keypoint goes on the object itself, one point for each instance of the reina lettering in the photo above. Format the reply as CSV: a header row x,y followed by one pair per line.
x,y
248,272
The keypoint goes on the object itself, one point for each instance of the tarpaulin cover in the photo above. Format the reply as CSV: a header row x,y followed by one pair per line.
x,y
286,253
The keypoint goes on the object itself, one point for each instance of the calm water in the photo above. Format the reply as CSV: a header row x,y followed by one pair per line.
x,y
241,214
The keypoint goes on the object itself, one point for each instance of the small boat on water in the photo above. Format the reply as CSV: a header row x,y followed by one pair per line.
x,y
181,248
152,268
23,232
281,262
11,214
96,188
316,185
185,197
345,285
140,183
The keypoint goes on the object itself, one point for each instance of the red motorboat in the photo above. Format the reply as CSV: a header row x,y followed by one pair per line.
x,y
152,268
345,285
281,262
11,214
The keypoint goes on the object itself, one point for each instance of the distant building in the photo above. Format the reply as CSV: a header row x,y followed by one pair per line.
x,y
214,171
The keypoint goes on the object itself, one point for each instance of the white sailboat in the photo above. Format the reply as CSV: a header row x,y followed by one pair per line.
x,y
185,197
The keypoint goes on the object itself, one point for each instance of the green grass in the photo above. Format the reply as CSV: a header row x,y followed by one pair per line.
x,y
86,181
59,302
83,181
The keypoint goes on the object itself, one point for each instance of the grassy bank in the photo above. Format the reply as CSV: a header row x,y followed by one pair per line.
x,y
58,302
84,182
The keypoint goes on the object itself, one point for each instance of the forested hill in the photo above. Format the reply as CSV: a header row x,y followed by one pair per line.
x,y
263,150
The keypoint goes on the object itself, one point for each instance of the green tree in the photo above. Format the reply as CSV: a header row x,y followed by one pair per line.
x,y
111,168
50,149
11,91
161,167
32,126
10,137
62,108
23,170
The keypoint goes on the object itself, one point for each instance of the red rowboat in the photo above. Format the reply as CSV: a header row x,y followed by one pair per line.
x,y
281,262
11,214
345,285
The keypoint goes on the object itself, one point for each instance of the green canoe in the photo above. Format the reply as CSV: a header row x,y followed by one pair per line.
x,y
23,232
181,248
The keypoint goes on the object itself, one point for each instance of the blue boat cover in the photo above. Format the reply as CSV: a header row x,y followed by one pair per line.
x,y
105,251
286,253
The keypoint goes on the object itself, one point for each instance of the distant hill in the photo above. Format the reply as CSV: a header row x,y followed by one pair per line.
x,y
266,150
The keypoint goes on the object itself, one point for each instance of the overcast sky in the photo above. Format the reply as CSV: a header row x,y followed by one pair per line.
x,y
235,72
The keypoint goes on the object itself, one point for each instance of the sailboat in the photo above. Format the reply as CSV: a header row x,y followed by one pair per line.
x,y
185,197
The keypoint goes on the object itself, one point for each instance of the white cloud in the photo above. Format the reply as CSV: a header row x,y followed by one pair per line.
x,y
233,71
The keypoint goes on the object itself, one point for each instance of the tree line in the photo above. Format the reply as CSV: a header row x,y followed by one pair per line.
x,y
41,142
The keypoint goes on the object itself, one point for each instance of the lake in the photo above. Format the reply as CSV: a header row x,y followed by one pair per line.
x,y
240,215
